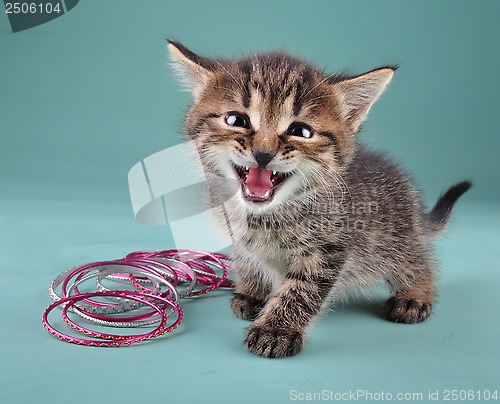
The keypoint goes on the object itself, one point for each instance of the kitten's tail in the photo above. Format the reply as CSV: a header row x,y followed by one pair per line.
x,y
438,217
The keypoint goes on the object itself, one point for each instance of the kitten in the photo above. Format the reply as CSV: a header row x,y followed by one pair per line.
x,y
316,214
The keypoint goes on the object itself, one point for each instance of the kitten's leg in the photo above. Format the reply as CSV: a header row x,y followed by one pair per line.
x,y
280,327
251,291
414,294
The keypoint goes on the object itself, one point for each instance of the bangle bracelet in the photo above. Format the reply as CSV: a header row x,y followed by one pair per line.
x,y
114,264
206,257
94,307
110,321
81,271
115,340
182,272
134,277
186,275
146,285
195,259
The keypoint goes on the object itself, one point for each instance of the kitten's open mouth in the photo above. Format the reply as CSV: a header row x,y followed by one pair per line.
x,y
259,184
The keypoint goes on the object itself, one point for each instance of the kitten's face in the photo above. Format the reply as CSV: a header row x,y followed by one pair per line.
x,y
273,123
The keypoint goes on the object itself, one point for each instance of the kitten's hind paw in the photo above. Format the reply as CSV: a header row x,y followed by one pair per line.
x,y
407,310
246,307
273,342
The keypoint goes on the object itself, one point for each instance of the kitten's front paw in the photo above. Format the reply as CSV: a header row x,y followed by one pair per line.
x,y
246,307
407,310
272,342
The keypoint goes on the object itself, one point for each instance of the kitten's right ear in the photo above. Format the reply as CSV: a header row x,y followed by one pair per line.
x,y
194,71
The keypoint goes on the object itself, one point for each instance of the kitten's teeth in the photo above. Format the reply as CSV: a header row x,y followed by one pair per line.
x,y
274,172
246,168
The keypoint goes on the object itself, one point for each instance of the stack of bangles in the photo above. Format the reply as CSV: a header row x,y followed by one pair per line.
x,y
150,287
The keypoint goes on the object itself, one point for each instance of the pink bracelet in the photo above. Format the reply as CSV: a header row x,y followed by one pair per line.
x,y
85,268
114,321
198,261
109,307
116,340
182,271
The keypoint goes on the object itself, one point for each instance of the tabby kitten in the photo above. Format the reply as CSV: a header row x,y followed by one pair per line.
x,y
315,214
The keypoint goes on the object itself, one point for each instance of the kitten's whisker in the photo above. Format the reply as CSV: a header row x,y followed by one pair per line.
x,y
239,84
319,97
317,85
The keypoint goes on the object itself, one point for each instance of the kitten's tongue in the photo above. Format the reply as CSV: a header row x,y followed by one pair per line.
x,y
258,183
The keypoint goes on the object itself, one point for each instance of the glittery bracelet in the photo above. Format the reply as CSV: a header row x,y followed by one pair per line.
x,y
135,278
110,339
96,266
195,257
85,311
183,273
144,275
79,272
197,260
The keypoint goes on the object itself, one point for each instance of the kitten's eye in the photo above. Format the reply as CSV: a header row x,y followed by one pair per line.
x,y
301,130
238,120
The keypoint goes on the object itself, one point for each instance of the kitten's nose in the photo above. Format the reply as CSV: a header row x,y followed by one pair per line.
x,y
263,158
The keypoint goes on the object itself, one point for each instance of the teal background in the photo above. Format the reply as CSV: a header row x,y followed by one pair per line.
x,y
86,96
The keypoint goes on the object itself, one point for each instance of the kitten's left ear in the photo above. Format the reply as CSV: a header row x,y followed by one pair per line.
x,y
359,93
194,71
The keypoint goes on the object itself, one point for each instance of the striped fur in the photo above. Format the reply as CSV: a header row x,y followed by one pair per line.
x,y
344,217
